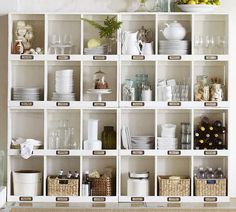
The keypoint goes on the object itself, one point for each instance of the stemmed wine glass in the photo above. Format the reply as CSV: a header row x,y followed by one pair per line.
x,y
210,44
221,43
198,43
55,42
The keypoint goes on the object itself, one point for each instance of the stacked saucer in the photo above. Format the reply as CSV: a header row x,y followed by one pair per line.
x,y
142,142
101,50
167,143
174,47
20,94
64,86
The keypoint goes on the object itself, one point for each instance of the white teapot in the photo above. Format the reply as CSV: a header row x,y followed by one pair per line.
x,y
174,31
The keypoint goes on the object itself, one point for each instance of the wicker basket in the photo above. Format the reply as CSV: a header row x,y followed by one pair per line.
x,y
62,187
210,187
102,186
169,187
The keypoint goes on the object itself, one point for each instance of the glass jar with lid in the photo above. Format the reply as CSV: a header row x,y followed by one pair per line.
x,y
128,90
99,80
138,184
142,83
202,88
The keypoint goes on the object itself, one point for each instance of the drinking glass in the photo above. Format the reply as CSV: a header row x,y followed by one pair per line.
x,y
51,140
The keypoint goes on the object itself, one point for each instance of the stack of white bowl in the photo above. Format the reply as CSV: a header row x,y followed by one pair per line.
x,y
168,140
30,94
142,142
64,86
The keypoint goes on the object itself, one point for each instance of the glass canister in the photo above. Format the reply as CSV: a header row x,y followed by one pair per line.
x,y
99,80
128,91
202,88
1,167
141,83
108,138
138,184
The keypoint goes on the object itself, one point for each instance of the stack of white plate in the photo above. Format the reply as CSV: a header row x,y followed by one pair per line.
x,y
167,143
142,142
32,94
64,86
101,50
174,47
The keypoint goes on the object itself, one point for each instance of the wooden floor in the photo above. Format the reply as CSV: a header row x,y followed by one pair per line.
x,y
122,207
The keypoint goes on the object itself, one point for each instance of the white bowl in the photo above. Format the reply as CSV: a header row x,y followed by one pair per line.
x,y
197,8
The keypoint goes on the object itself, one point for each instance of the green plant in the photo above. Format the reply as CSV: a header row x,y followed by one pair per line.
x,y
111,25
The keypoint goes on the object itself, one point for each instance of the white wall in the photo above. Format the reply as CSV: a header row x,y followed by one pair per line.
x,y
228,6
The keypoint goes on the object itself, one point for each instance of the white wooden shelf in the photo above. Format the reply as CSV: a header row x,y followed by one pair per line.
x,y
36,118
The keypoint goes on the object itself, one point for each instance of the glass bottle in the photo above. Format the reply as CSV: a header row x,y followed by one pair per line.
x,y
86,185
218,173
99,80
200,173
109,138
210,174
128,90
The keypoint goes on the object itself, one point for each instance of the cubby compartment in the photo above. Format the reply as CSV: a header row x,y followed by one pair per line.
x,y
211,129
174,129
30,29
90,32
214,77
137,129
26,75
214,185
107,127
66,39
63,129
138,81
174,81
171,43
137,164
132,23
211,34
176,166
58,170
100,78
63,66
23,125
23,184
106,166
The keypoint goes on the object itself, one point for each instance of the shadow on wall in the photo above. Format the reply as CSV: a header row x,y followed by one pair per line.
x,y
3,85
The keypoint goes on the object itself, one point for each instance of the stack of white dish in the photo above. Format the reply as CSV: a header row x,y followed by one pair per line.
x,y
168,140
167,143
142,142
32,94
64,86
177,47
101,50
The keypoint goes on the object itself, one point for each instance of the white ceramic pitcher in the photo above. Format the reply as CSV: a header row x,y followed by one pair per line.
x,y
130,43
147,48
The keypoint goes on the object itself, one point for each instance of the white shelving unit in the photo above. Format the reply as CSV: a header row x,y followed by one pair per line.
x,y
35,119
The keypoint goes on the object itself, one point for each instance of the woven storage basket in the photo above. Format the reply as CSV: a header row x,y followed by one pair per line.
x,y
102,186
210,187
168,187
62,187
